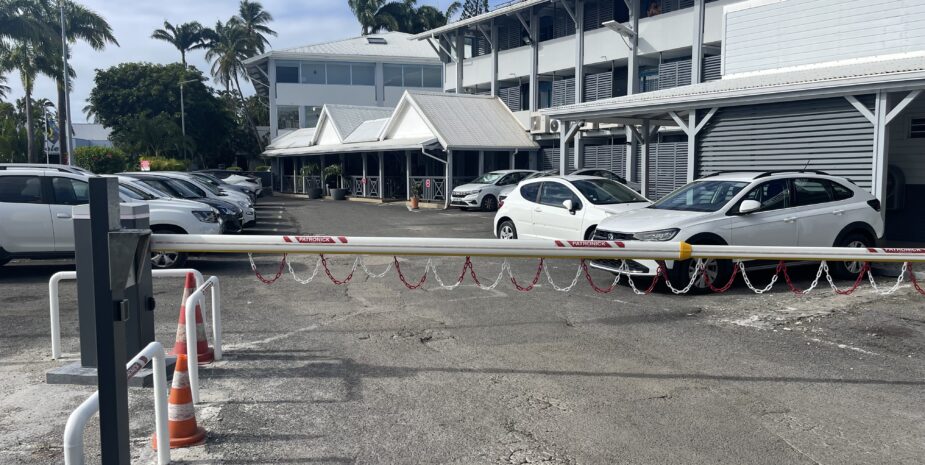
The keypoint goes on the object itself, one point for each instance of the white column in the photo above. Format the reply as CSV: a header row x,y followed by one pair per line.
x,y
632,87
448,186
697,47
481,162
494,59
881,147
535,60
579,56
460,55
274,115
511,161
563,147
365,182
381,175
579,152
408,175
691,144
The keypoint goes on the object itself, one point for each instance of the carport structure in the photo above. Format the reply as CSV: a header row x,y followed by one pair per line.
x,y
435,139
860,119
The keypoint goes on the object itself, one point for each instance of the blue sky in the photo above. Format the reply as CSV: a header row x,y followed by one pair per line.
x,y
296,22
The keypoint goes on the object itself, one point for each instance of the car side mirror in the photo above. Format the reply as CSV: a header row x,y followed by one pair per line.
x,y
749,206
571,206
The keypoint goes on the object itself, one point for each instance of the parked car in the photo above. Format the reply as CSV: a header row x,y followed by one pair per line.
x,y
251,183
602,173
563,207
234,177
810,209
36,205
207,178
232,214
506,191
484,191
202,190
65,168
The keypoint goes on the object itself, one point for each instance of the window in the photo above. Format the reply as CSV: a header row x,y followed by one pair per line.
x,y
339,74
810,192
772,195
20,189
701,196
841,192
530,191
392,75
70,191
287,74
554,194
287,117
364,74
413,76
312,114
606,192
917,128
313,73
433,76
376,40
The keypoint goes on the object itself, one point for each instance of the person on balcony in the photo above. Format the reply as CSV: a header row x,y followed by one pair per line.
x,y
654,9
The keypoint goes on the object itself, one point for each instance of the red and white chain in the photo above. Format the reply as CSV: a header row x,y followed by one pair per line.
x,y
896,286
262,278
370,273
310,278
562,289
698,270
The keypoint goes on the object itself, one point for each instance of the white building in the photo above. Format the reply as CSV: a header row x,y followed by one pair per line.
x,y
374,70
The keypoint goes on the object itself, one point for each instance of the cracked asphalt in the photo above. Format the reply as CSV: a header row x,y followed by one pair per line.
x,y
375,373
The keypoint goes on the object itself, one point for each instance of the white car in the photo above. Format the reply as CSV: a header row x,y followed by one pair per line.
x,y
563,207
207,191
807,209
36,204
237,179
485,190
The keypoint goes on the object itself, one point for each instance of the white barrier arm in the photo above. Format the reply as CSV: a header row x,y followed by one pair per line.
x,y
191,349
77,421
54,304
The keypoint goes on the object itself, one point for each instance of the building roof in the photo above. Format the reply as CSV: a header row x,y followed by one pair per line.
x,y
513,7
852,77
347,118
368,131
414,143
91,131
298,138
397,45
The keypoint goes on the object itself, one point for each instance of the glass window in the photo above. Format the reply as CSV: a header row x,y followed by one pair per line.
x,y
392,75
70,191
808,191
772,195
488,178
841,192
136,192
606,192
413,76
313,73
701,196
287,73
339,74
287,117
20,189
433,76
553,194
364,74
125,193
183,190
190,187
530,191
312,114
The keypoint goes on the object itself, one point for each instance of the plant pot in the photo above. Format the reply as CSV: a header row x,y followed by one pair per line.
x,y
414,203
315,193
339,194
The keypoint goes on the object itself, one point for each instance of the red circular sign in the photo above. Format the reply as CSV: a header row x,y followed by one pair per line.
x,y
427,184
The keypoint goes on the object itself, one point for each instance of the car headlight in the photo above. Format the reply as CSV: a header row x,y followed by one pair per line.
x,y
660,235
206,216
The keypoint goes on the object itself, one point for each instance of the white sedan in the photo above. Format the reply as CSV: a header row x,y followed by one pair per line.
x,y
563,207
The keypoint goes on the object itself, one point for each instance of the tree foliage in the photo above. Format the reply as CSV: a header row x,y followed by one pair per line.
x,y
473,8
400,16
184,37
102,160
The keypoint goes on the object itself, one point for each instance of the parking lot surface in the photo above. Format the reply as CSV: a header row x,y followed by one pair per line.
x,y
374,373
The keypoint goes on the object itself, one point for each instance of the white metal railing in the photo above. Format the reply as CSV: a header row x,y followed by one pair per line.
x,y
54,305
77,421
191,349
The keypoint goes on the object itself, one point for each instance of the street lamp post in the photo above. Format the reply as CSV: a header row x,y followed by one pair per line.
x,y
183,115
66,144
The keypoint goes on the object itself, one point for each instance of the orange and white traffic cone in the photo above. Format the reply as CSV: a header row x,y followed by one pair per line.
x,y
181,413
204,353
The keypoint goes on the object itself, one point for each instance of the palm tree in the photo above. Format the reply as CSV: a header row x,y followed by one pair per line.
x,y
253,20
29,60
81,24
19,20
371,19
400,16
4,89
185,37
228,45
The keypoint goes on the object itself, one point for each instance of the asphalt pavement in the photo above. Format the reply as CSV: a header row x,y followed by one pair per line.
x,y
373,372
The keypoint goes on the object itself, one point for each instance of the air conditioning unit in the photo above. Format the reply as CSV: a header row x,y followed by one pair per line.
x,y
554,125
539,124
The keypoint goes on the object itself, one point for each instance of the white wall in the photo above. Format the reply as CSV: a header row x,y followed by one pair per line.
x,y
667,31
408,124
770,34
477,70
604,45
515,62
318,95
557,54
449,77
393,94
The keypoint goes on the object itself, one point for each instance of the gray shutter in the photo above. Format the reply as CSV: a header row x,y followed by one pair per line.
x,y
563,92
712,68
511,97
674,74
598,86
829,133
667,168
550,158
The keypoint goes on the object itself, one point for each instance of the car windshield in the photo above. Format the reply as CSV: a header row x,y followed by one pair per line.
x,y
135,192
488,178
202,185
701,196
206,180
606,192
183,189
127,194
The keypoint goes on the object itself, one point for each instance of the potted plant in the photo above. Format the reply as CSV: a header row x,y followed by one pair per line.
x,y
336,172
312,169
415,195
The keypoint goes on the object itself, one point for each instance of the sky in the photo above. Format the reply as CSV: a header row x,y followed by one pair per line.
x,y
296,23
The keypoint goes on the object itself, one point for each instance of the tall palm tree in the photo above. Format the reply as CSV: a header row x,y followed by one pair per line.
x,y
371,19
19,20
401,16
81,24
185,37
4,89
227,47
253,20
29,60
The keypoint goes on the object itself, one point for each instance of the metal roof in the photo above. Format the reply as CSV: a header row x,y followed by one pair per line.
x,y
505,10
469,122
369,146
298,138
346,118
368,131
398,45
838,79
91,131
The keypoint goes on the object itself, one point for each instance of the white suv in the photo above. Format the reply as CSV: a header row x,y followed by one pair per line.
x,y
810,209
485,190
36,204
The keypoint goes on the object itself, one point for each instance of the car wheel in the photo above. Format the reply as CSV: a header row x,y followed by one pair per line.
x,y
850,270
717,271
166,260
489,203
465,209
507,230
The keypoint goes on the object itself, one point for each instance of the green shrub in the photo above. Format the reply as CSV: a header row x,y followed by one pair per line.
x,y
262,168
311,169
233,168
101,160
165,164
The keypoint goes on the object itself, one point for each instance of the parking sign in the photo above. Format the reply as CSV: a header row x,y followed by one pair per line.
x,y
145,165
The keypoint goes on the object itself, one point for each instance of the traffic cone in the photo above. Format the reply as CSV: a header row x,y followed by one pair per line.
x,y
181,413
204,353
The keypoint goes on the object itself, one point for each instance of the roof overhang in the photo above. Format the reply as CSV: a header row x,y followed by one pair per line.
x,y
463,23
390,145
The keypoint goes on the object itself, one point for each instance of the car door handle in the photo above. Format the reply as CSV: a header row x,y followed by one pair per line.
x,y
538,210
838,212
791,219
63,216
